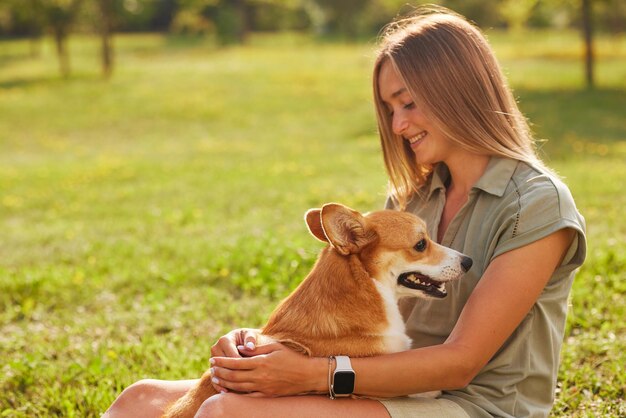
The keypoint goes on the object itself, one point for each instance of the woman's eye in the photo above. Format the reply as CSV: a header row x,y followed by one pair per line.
x,y
420,246
409,105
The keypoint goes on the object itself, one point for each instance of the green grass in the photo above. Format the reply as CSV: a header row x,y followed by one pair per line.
x,y
145,216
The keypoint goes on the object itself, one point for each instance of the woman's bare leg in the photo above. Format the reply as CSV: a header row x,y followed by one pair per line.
x,y
148,398
233,405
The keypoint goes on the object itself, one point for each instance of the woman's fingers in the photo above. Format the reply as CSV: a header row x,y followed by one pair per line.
x,y
250,360
228,380
249,338
255,395
218,388
226,346
241,363
260,349
270,371
221,376
240,387
236,342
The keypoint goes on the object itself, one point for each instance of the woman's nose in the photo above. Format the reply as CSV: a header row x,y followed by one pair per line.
x,y
399,123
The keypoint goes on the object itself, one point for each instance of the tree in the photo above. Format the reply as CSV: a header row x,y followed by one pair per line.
x,y
588,38
22,18
232,21
342,16
60,15
106,14
516,13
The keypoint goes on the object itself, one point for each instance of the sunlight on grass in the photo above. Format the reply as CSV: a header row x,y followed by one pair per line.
x,y
145,216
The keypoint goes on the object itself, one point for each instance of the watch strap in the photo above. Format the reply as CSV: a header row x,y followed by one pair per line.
x,y
343,363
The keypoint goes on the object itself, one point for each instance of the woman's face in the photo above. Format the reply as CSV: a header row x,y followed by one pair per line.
x,y
428,143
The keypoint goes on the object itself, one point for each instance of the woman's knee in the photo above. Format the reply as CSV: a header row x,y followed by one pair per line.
x,y
221,405
141,390
131,398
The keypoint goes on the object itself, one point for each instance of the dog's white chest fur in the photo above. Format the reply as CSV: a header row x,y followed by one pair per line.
x,y
395,335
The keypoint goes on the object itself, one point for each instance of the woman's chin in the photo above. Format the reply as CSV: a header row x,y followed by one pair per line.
x,y
424,160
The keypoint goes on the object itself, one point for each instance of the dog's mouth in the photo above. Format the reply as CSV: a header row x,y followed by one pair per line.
x,y
418,281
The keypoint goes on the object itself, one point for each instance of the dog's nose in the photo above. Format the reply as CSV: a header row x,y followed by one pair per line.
x,y
466,264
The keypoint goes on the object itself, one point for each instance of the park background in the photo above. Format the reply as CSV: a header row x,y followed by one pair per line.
x,y
157,157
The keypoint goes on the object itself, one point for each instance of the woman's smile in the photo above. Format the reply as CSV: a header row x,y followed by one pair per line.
x,y
417,139
410,121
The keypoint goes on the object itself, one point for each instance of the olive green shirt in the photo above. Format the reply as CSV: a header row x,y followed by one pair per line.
x,y
511,205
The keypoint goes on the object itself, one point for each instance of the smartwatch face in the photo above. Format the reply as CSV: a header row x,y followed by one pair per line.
x,y
344,382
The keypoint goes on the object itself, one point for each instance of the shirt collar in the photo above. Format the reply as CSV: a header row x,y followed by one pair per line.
x,y
497,175
493,181
438,178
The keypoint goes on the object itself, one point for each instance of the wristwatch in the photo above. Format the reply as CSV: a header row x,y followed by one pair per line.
x,y
342,383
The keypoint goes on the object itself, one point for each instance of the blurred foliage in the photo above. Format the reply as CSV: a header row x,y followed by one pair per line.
x,y
59,16
231,20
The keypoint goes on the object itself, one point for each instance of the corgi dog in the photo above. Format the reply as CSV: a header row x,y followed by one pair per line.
x,y
370,261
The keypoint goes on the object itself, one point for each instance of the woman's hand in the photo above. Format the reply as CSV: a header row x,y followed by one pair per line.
x,y
237,343
274,370
232,344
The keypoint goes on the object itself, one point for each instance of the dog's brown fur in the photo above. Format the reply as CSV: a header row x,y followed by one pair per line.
x,y
325,315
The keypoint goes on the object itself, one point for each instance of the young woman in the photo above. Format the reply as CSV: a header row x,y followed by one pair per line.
x,y
460,155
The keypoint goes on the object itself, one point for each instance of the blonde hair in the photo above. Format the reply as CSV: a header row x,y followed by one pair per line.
x,y
452,74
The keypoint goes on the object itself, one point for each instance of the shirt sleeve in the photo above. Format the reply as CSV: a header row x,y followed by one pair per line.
x,y
537,208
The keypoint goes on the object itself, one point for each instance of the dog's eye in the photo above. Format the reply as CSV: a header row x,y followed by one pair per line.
x,y
420,246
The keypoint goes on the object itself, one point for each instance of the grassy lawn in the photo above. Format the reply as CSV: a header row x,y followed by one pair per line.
x,y
143,217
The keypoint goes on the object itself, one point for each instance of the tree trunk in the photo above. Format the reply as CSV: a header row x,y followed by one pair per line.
x,y
243,14
60,17
107,55
60,38
588,37
106,12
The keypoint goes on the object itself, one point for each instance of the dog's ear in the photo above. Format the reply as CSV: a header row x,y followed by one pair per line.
x,y
313,218
345,228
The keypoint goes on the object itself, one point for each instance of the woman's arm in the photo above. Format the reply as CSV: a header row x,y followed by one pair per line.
x,y
506,292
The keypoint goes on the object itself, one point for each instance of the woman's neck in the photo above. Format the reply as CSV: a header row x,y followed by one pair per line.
x,y
465,170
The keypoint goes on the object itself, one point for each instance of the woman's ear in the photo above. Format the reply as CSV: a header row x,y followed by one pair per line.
x,y
313,219
345,228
